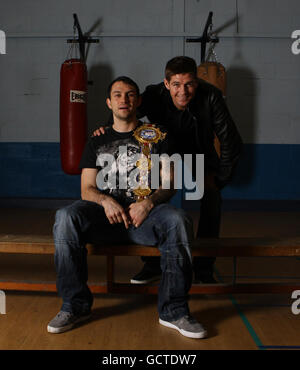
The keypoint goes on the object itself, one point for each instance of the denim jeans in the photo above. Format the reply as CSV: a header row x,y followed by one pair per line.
x,y
84,222
208,227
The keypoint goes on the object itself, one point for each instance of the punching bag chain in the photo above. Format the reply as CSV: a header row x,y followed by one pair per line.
x,y
211,54
73,51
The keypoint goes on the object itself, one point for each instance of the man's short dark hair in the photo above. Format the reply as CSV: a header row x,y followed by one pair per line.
x,y
127,81
180,65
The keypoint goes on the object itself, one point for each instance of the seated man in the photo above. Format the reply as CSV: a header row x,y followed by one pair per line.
x,y
115,213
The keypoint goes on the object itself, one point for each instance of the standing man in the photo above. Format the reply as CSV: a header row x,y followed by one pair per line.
x,y
131,212
193,111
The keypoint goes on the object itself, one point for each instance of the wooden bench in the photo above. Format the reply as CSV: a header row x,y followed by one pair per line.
x,y
223,247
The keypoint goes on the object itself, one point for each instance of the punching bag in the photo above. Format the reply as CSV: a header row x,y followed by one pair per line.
x,y
73,114
214,73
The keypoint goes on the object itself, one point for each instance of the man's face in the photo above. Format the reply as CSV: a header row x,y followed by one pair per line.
x,y
123,101
182,88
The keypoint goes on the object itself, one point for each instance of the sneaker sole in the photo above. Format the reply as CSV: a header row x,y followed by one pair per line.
x,y
133,281
183,332
53,330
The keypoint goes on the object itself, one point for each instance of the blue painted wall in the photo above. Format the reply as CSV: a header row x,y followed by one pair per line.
x,y
33,170
267,171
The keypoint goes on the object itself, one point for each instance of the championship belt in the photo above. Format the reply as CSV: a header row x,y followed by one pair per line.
x,y
146,135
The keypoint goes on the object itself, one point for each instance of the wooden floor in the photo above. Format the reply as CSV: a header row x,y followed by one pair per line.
x,y
131,322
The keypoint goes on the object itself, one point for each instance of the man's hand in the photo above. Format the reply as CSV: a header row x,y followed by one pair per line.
x,y
139,211
89,191
114,211
99,131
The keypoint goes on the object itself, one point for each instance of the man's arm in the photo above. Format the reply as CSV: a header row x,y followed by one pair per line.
x,y
89,191
139,211
230,140
166,190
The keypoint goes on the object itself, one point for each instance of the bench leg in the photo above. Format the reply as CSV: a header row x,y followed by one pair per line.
x,y
234,270
110,271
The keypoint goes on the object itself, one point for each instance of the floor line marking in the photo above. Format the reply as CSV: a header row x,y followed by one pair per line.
x,y
249,327
279,347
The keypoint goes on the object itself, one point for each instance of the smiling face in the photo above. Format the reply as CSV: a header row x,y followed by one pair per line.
x,y
182,89
123,101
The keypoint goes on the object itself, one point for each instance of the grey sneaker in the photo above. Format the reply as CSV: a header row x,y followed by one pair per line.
x,y
64,321
187,326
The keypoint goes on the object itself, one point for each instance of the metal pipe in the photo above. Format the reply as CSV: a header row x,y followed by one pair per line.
x,y
171,34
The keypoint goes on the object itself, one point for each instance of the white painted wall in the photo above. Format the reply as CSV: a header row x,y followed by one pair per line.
x,y
263,75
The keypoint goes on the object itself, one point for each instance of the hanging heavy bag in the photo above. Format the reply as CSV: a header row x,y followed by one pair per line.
x,y
73,114
214,73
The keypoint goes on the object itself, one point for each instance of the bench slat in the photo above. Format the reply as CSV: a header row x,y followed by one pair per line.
x,y
123,288
223,247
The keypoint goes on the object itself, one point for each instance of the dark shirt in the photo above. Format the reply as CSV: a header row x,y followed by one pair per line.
x,y
110,143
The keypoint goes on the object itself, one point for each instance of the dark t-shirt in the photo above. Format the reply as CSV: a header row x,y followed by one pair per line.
x,y
115,155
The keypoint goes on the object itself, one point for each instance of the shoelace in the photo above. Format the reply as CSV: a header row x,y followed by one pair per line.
x,y
190,319
66,314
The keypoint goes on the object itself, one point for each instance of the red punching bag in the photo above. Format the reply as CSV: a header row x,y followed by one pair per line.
x,y
73,114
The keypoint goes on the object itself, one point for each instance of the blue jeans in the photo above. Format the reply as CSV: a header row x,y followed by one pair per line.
x,y
84,222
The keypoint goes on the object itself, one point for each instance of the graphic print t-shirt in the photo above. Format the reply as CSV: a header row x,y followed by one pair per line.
x,y
124,148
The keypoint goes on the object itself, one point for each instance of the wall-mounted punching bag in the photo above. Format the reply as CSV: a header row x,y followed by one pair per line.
x,y
73,114
214,73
